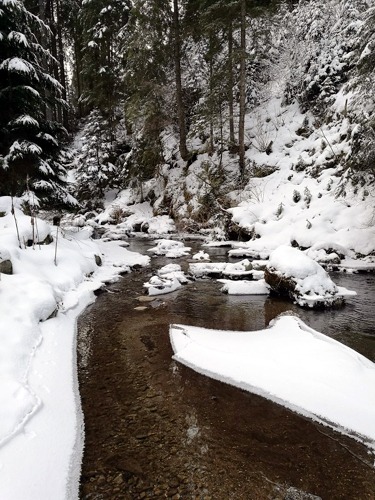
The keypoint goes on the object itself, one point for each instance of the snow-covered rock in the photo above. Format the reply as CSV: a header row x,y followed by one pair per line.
x,y
173,271
170,248
169,278
201,255
6,266
161,286
291,273
238,270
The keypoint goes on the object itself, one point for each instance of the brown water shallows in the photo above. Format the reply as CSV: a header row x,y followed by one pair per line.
x,y
155,429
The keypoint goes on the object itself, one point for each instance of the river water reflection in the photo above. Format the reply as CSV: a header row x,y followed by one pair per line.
x,y
156,429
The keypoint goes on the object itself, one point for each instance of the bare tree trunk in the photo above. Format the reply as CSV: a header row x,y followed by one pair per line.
x,y
242,89
211,105
62,74
179,100
53,113
78,72
232,139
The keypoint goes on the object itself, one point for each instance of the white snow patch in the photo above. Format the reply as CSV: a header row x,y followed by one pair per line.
x,y
39,400
245,287
291,364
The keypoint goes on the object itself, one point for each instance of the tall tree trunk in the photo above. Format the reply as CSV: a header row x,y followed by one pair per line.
x,y
78,72
56,113
242,89
179,100
61,59
42,10
232,139
211,103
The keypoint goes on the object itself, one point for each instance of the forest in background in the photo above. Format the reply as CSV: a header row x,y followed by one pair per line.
x,y
152,85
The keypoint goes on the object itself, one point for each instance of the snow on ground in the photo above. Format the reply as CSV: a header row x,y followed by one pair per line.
x,y
129,215
244,287
41,433
170,248
291,364
304,200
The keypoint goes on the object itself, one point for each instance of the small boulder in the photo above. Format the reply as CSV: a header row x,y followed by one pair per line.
x,y
6,266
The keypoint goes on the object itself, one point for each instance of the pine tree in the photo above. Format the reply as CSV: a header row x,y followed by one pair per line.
x,y
148,66
227,23
180,105
103,23
29,147
149,105
208,22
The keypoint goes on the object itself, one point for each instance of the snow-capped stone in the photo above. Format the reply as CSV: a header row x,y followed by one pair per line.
x,y
291,273
160,286
170,248
245,287
201,255
238,270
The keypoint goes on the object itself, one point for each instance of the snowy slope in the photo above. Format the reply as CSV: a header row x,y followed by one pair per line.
x,y
310,146
41,429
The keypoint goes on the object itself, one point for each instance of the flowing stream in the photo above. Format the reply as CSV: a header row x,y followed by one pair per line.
x,y
155,429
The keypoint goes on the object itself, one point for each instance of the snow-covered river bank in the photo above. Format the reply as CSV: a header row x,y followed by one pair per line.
x,y
41,423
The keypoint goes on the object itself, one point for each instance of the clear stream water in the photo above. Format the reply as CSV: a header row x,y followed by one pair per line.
x,y
156,429
205,305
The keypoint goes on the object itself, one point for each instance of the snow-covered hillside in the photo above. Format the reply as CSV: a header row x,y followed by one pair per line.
x,y
310,148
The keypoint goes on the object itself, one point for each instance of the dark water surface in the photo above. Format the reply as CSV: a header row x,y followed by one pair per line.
x,y
353,325
155,429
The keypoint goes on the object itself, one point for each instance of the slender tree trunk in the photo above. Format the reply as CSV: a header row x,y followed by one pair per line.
x,y
179,100
232,139
53,112
211,105
42,10
221,139
242,89
61,63
78,72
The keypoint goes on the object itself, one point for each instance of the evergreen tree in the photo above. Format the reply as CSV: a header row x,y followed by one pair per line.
x,y
148,67
225,26
29,148
102,24
149,105
208,22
